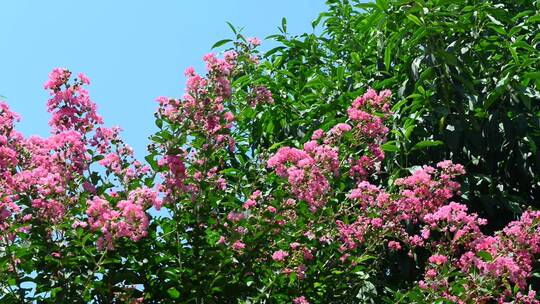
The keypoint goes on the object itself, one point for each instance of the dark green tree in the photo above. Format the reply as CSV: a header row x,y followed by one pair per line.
x,y
465,77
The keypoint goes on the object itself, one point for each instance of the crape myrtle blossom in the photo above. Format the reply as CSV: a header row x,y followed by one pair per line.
x,y
254,41
202,111
445,228
307,170
493,261
320,209
300,300
280,255
261,95
70,104
128,219
45,179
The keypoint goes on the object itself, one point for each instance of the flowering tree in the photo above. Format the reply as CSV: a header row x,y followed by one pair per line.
x,y
65,199
220,216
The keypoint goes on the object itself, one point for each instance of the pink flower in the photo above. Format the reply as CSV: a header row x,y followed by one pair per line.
x,y
221,240
377,222
369,126
261,95
307,170
189,72
300,300
254,41
431,273
70,106
294,245
57,77
249,204
279,255
83,79
394,246
230,56
221,183
235,216
340,129
319,133
256,194
229,117
78,223
438,259
238,246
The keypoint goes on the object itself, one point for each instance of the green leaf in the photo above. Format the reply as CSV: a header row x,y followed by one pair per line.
x,y
415,19
382,4
532,75
364,258
220,43
426,144
484,255
366,6
230,172
387,56
232,27
316,22
159,123
355,58
173,293
390,146
535,18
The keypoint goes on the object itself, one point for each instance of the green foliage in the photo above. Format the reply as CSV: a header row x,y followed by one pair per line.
x,y
466,87
464,73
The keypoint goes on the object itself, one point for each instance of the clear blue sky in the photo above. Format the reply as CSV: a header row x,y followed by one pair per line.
x,y
132,50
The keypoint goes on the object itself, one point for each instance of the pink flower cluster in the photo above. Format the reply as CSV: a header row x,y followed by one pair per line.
x,y
307,170
261,95
254,41
201,112
44,170
128,219
449,231
369,112
300,300
10,141
454,219
280,255
427,189
122,163
418,213
202,108
252,201
70,105
488,260
512,251
367,115
382,214
174,176
43,179
47,167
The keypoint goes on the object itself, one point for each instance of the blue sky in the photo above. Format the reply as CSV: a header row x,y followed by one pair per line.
x,y
132,50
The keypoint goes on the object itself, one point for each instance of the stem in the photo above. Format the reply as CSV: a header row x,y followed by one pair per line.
x,y
17,278
98,264
177,237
